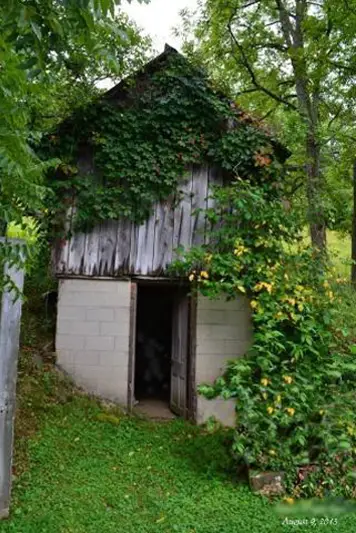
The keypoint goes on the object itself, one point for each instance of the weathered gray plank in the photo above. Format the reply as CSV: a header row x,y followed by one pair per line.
x,y
107,247
76,256
133,248
63,245
145,246
163,238
10,316
215,180
91,252
200,186
182,215
123,246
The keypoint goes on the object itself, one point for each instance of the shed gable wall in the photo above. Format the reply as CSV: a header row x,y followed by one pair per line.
x,y
122,248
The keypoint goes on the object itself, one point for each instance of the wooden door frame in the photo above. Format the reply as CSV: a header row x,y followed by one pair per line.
x,y
191,364
132,346
136,283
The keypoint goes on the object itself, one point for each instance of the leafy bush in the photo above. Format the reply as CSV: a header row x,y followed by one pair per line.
x,y
294,389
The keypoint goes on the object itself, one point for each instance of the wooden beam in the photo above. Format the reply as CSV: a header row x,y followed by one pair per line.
x,y
10,317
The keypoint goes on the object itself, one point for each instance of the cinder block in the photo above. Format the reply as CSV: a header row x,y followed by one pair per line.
x,y
100,314
206,346
118,329
86,358
71,313
73,327
90,299
115,358
92,285
122,344
220,304
69,342
122,315
101,343
65,358
216,332
237,348
221,410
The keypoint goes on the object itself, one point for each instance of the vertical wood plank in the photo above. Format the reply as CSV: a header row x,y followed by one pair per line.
x,y
214,180
107,247
163,239
91,267
10,317
64,245
144,257
76,257
192,382
178,401
200,192
182,215
133,248
123,247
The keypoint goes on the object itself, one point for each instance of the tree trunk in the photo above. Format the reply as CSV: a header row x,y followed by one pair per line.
x,y
316,214
353,249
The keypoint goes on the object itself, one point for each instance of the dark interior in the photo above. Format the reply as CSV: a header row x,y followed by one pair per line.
x,y
153,342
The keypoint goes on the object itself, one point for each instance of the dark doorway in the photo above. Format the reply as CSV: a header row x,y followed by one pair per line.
x,y
154,343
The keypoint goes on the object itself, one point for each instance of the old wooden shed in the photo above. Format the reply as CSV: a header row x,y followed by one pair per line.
x,y
128,332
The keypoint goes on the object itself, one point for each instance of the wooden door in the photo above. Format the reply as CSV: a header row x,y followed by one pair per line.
x,y
180,344
132,348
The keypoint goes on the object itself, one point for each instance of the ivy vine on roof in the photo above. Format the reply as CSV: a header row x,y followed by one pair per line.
x,y
144,133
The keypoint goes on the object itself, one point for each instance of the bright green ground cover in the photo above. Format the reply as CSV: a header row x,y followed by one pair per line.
x,y
80,470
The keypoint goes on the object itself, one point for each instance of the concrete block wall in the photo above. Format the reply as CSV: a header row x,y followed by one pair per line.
x,y
92,340
224,332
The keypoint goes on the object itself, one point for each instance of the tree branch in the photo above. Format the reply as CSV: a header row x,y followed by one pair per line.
x,y
252,74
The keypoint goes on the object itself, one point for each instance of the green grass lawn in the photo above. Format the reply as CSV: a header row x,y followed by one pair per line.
x,y
81,468
339,247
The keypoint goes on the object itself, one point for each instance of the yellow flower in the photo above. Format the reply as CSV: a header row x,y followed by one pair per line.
x,y
209,258
253,304
241,288
331,295
287,379
300,307
264,382
321,412
290,411
279,315
263,285
272,452
191,277
290,501
279,398
264,395
270,410
204,274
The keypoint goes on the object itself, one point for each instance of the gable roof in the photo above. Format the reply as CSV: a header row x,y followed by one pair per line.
x,y
122,89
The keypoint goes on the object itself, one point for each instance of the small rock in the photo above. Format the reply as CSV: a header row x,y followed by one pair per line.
x,y
267,483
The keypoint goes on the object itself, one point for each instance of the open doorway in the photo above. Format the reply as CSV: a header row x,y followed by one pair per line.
x,y
161,354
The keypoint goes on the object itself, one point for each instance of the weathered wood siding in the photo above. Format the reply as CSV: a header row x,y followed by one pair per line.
x,y
121,248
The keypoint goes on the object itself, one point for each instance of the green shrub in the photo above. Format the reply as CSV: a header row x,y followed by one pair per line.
x,y
294,389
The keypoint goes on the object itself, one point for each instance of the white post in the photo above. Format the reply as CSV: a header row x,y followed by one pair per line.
x,y
10,317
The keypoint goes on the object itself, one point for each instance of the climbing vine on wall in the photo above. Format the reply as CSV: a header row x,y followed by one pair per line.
x,y
139,142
